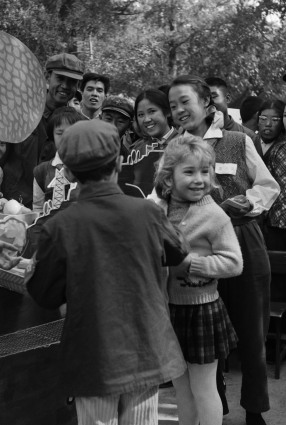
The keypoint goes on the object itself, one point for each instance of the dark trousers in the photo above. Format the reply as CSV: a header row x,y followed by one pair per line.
x,y
247,298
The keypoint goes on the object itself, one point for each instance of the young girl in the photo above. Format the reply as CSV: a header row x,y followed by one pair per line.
x,y
153,117
44,173
183,181
239,171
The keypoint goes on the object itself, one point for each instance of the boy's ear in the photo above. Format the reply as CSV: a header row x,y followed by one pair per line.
x,y
69,175
228,98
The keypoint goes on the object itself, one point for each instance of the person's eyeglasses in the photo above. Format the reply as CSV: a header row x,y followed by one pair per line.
x,y
274,120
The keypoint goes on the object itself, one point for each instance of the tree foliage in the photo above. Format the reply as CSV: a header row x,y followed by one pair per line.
x,y
146,43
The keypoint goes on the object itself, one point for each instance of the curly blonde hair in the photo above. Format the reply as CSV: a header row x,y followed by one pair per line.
x,y
176,151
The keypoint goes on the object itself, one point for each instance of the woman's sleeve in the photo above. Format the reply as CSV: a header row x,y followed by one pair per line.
x,y
265,188
38,197
226,259
48,284
277,166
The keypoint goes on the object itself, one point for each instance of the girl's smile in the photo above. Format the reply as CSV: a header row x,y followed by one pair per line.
x,y
188,110
191,179
151,119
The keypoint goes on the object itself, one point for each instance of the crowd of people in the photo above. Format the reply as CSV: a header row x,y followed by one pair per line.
x,y
164,288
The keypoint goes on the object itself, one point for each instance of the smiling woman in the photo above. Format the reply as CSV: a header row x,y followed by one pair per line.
x,y
153,117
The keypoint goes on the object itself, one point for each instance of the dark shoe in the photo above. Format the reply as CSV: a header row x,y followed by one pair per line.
x,y
254,419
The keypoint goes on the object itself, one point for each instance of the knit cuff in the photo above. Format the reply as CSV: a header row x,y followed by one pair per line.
x,y
197,266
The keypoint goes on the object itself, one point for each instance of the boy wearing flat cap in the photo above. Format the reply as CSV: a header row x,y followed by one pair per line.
x,y
119,112
104,257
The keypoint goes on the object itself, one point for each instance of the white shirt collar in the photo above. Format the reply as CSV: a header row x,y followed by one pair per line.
x,y
164,138
212,133
57,160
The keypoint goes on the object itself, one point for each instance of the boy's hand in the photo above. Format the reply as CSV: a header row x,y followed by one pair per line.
x,y
234,212
7,262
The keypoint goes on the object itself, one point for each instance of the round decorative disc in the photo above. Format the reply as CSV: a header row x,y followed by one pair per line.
x,y
22,90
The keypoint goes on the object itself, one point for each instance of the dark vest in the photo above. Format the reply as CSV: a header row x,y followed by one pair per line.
x,y
231,149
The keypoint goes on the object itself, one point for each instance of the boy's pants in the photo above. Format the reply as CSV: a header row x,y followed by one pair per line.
x,y
134,408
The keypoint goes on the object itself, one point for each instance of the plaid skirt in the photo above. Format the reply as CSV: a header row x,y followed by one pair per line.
x,y
204,331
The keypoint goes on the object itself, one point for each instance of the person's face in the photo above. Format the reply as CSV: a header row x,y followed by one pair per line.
x,y
188,110
61,88
151,119
75,103
93,95
191,179
220,98
270,125
3,148
120,121
58,132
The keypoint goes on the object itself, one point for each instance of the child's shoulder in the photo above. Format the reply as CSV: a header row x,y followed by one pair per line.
x,y
216,212
40,172
42,168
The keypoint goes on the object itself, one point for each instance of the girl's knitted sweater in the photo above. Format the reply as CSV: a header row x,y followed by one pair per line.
x,y
215,251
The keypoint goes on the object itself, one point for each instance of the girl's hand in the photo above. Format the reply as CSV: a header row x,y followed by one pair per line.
x,y
234,212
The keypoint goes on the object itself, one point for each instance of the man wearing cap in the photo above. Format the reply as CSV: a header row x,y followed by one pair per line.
x,y
63,72
104,255
94,89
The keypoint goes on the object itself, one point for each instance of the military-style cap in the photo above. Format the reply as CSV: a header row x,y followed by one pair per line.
x,y
66,64
118,104
87,145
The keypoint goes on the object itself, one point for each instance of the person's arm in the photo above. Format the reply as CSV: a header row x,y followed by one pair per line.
x,y
226,259
48,284
38,197
28,153
277,167
176,248
265,189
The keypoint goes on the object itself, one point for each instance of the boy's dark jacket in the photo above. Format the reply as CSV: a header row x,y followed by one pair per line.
x,y
103,255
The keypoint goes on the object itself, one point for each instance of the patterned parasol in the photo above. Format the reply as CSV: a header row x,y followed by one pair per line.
x,y
22,90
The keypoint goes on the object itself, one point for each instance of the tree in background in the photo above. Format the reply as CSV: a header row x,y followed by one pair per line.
x,y
146,43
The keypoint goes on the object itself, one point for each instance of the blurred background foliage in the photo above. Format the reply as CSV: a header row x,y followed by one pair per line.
x,y
145,43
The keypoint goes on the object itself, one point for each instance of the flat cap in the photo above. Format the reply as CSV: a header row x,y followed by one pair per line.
x,y
87,145
118,104
66,64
